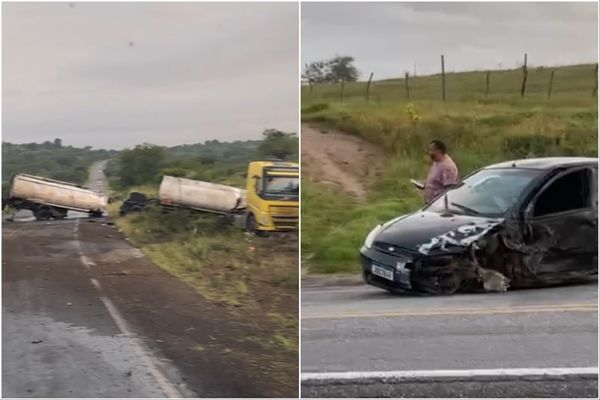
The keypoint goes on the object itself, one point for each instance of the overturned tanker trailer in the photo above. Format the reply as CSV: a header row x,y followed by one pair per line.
x,y
517,224
175,192
49,198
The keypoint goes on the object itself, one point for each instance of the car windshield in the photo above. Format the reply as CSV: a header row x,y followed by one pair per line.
x,y
489,192
284,185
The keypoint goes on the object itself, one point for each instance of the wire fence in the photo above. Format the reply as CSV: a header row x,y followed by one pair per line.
x,y
538,82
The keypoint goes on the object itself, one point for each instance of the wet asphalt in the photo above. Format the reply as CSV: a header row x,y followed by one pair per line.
x,y
359,328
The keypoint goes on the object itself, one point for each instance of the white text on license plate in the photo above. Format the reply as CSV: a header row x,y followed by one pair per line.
x,y
382,272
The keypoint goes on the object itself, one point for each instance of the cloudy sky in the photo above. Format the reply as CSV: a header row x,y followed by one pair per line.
x,y
112,75
389,38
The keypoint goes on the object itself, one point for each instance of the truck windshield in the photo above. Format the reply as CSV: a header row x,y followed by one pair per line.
x,y
284,186
489,192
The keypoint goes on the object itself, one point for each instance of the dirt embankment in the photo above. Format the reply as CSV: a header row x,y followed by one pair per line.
x,y
339,159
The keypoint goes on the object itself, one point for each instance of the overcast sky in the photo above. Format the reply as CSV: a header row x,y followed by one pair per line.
x,y
389,38
112,75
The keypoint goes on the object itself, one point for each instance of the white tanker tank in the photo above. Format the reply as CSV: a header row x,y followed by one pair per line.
x,y
49,198
199,195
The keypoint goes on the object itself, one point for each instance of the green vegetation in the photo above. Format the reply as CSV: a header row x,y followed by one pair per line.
x,y
50,160
479,130
280,145
336,69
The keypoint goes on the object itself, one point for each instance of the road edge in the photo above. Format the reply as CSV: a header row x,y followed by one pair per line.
x,y
515,382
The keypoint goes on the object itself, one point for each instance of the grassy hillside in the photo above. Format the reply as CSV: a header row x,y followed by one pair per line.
x,y
571,83
478,131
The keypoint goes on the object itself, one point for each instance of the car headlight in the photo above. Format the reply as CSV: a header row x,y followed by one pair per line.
x,y
371,236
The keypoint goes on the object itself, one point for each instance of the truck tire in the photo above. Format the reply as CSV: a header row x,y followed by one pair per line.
x,y
95,214
43,213
61,213
252,226
251,223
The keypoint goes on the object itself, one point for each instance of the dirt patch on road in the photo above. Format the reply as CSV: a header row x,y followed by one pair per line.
x,y
339,159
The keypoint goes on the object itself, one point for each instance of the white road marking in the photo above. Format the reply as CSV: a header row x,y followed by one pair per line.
x,y
443,373
444,311
86,261
166,386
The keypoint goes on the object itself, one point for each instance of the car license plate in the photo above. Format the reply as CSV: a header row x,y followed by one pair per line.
x,y
382,272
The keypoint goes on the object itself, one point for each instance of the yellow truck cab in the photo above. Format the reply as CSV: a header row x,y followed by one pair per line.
x,y
272,196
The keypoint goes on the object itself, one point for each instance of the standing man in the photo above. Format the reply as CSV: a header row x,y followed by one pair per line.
x,y
443,172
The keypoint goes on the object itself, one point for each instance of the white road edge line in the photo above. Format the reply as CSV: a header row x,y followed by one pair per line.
x,y
443,373
166,386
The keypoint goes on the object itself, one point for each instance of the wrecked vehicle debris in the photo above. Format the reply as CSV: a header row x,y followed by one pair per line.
x,y
516,224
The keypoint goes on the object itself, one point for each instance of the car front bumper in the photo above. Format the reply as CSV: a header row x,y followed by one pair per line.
x,y
386,271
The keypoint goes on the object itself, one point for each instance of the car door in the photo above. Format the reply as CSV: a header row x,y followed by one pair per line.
x,y
562,222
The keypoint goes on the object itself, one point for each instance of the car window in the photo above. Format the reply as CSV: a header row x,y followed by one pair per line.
x,y
489,192
570,191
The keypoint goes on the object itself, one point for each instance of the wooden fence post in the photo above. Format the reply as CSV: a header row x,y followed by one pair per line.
x,y
369,86
342,93
595,90
487,83
550,84
443,80
524,82
406,86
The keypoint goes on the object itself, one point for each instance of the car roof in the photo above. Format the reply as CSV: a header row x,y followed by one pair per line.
x,y
545,162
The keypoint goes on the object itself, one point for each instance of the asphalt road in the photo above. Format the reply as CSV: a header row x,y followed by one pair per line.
x,y
363,329
61,336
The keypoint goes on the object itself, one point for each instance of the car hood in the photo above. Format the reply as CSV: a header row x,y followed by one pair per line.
x,y
425,231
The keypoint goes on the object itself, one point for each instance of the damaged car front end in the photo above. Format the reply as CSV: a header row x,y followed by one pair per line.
x,y
512,225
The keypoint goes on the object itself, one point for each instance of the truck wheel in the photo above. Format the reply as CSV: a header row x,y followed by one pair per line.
x,y
252,226
61,213
43,213
251,223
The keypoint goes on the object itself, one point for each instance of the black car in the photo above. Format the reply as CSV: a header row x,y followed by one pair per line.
x,y
516,224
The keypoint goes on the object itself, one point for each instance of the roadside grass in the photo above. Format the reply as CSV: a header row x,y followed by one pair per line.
x,y
478,130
